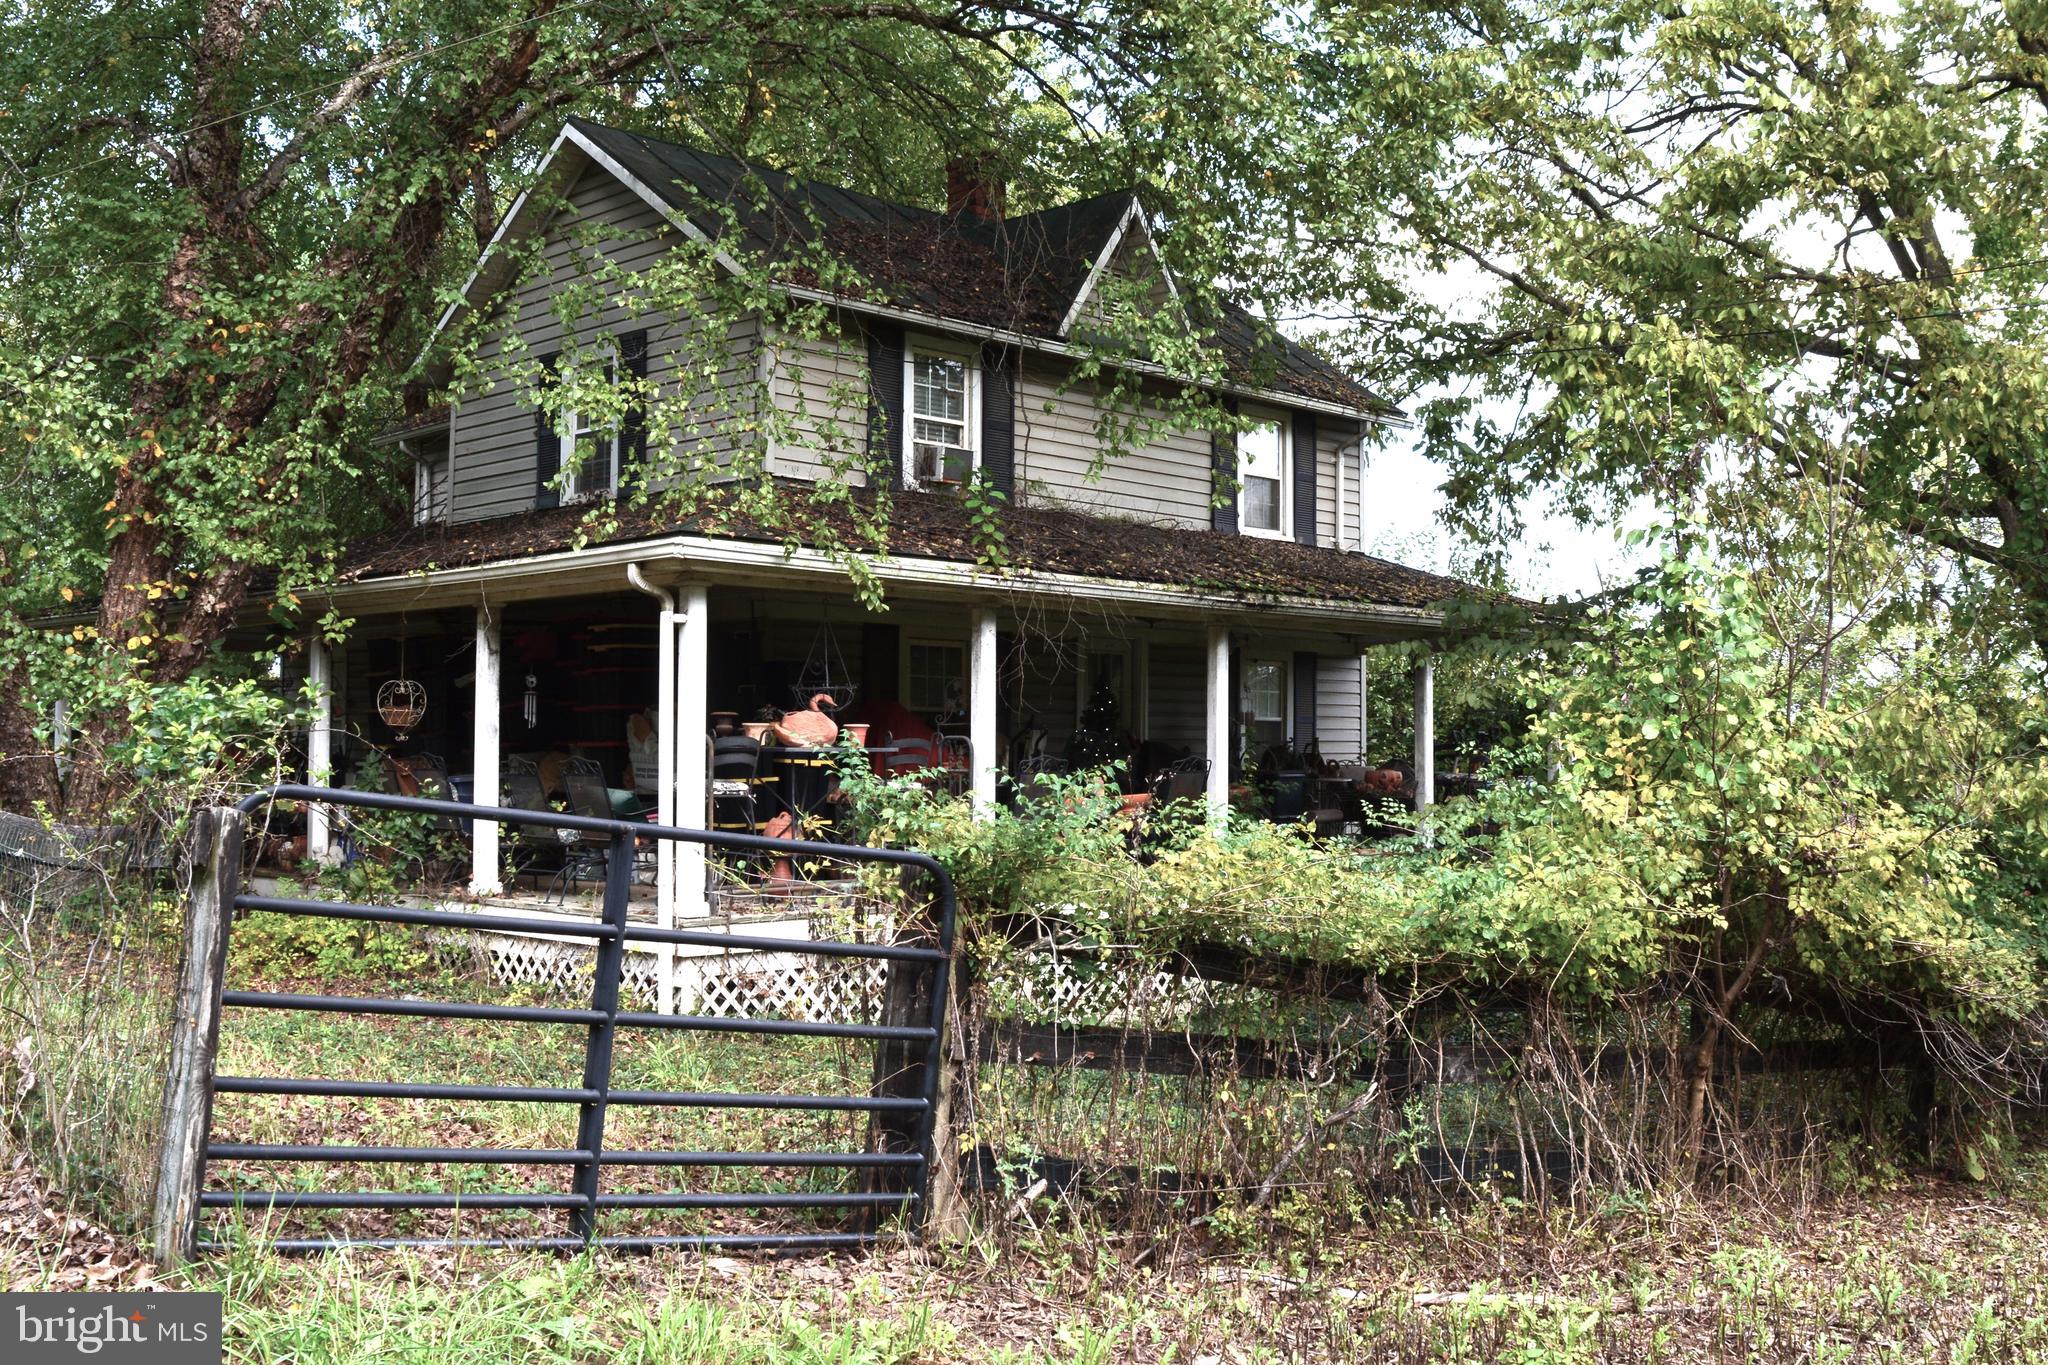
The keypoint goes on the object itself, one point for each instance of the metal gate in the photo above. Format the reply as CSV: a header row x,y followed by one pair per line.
x,y
603,1019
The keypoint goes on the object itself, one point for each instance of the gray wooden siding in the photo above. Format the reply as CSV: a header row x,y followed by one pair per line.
x,y
491,469
604,226
1166,481
819,386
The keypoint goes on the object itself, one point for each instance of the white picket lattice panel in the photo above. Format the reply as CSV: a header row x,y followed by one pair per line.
x,y
741,984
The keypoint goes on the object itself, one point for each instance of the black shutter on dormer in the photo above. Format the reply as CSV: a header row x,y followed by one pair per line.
x,y
885,400
1223,460
1305,481
999,419
633,428
547,442
1305,669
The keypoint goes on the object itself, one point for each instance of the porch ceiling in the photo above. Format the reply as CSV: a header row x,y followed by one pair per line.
x,y
930,544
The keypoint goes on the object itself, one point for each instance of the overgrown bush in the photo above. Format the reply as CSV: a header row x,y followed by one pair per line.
x,y
1703,842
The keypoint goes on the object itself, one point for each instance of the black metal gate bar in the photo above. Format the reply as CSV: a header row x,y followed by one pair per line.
x,y
597,1057
535,1094
682,1199
602,1020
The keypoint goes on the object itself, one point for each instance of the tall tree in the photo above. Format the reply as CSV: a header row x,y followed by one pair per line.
x,y
230,221
1808,241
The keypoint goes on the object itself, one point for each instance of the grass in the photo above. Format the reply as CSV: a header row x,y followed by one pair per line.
x,y
1926,1272
1886,1269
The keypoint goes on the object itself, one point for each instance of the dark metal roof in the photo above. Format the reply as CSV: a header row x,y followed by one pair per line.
x,y
1018,274
1040,539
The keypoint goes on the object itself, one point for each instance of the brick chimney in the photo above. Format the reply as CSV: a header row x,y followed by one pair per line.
x,y
972,186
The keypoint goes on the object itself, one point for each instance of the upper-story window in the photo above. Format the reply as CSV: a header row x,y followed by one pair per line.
x,y
941,386
1262,455
590,452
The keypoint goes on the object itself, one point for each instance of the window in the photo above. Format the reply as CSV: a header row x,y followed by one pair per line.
x,y
1265,690
935,682
1265,702
940,391
590,453
1262,480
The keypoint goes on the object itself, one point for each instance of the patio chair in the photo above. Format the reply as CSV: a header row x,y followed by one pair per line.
x,y
914,754
1184,779
736,795
1027,780
519,789
954,764
583,780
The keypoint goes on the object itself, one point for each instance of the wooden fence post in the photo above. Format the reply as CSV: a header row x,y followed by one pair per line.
x,y
195,1030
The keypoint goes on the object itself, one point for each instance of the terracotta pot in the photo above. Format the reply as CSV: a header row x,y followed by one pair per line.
x,y
858,732
757,730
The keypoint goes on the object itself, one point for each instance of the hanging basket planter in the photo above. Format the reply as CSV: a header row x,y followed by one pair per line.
x,y
401,703
824,674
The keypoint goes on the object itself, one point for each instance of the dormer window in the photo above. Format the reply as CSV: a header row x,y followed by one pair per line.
x,y
590,452
1262,508
941,386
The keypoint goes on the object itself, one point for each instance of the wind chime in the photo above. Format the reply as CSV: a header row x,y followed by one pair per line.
x,y
532,711
401,702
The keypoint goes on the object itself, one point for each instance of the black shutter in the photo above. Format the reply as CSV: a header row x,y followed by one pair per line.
x,y
1223,459
881,665
999,420
547,443
633,429
885,400
1305,477
1305,669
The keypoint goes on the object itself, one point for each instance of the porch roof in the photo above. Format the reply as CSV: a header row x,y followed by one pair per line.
x,y
1038,542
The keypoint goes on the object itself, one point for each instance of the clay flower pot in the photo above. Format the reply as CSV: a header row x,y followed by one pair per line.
x,y
757,730
857,732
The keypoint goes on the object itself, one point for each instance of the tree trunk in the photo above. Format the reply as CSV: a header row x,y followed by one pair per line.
x,y
28,771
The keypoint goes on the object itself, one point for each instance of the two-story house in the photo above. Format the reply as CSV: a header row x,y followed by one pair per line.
x,y
1198,594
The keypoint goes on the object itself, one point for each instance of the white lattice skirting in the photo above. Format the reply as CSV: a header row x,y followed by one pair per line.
x,y
733,984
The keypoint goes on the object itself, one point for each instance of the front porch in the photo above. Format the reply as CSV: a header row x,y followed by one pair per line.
x,y
579,700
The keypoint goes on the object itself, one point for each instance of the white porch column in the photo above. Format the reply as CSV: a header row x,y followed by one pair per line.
x,y
981,710
1425,735
693,756
483,843
664,782
320,748
1219,703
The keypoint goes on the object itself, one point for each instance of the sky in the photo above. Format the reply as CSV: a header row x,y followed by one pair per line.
x,y
1553,558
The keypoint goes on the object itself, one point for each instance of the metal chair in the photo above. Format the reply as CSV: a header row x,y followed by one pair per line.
x,y
519,789
1184,779
583,780
953,764
736,784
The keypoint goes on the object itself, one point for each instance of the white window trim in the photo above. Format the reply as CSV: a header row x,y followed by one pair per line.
x,y
573,489
903,671
913,347
1285,424
1286,667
